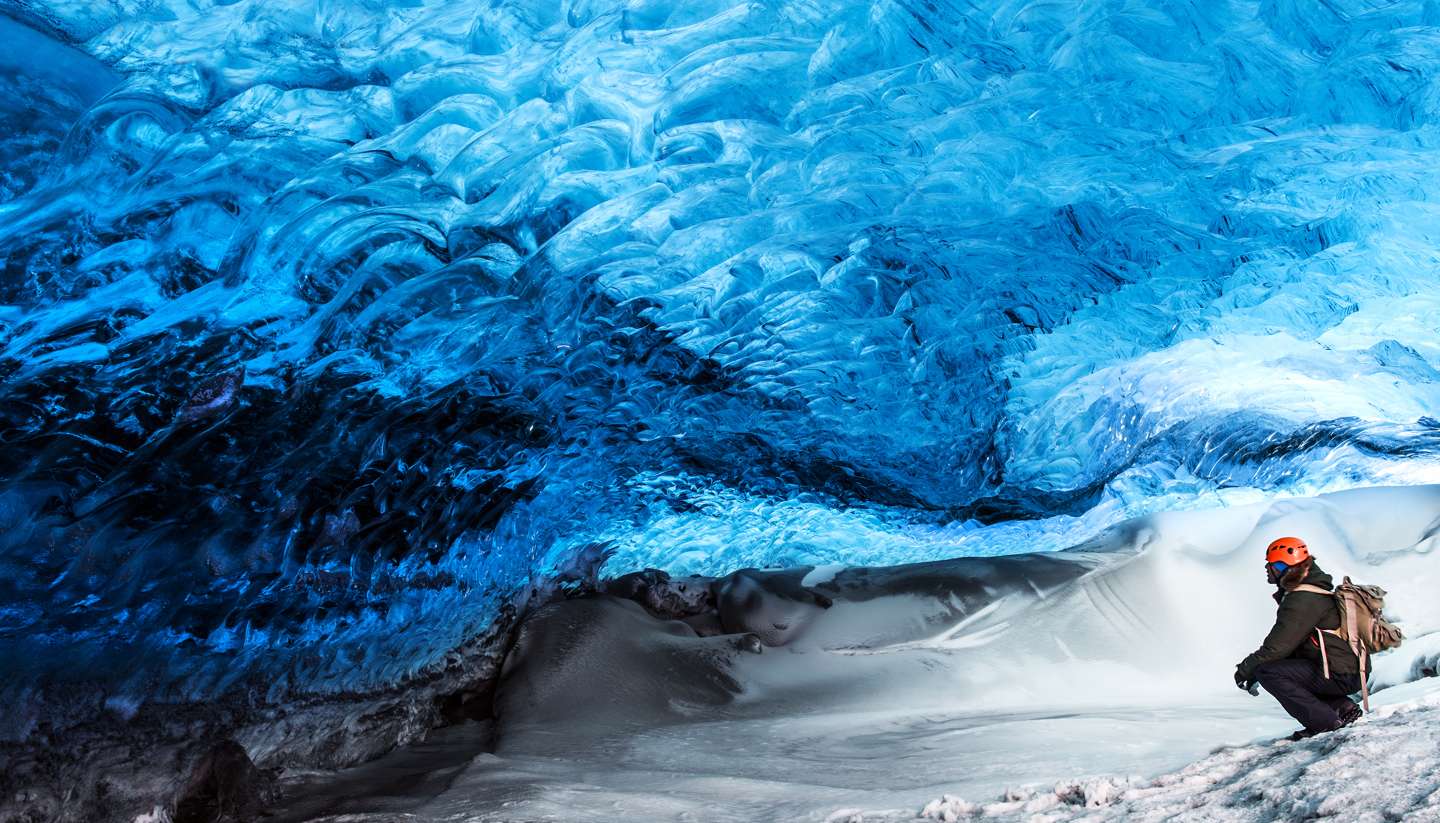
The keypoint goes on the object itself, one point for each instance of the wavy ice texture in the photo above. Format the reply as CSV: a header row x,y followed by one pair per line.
x,y
327,327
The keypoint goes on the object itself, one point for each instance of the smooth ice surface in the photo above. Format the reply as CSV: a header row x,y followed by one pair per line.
x,y
1114,686
329,328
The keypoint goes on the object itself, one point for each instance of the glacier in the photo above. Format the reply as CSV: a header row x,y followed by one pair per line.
x,y
335,334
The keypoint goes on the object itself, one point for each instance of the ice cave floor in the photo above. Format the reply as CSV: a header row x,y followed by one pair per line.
x,y
1085,684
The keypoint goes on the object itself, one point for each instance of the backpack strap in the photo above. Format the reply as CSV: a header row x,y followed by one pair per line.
x,y
1319,632
1364,682
1362,654
1349,604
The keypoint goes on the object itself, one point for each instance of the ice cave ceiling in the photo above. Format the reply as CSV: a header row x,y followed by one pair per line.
x,y
327,327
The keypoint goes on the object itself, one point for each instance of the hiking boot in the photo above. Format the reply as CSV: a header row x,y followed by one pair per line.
x,y
1347,716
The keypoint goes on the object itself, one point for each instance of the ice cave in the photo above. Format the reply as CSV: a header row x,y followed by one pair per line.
x,y
470,411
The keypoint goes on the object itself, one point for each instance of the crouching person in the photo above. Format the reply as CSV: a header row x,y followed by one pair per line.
x,y
1311,681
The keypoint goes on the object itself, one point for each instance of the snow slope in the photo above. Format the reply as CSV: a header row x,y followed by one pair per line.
x,y
1385,768
965,677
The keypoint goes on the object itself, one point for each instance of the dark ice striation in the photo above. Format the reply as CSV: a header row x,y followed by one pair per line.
x,y
334,333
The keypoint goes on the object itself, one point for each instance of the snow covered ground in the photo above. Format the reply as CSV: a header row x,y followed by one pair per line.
x,y
991,680
1386,767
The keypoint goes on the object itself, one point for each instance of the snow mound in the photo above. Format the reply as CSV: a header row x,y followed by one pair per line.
x,y
1386,767
1088,681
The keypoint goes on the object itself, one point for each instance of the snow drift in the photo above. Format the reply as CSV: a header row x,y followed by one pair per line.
x,y
1091,673
1383,769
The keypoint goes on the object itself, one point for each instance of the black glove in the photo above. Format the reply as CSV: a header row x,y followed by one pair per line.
x,y
1241,680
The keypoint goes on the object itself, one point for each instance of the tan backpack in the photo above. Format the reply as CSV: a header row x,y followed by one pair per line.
x,y
1362,626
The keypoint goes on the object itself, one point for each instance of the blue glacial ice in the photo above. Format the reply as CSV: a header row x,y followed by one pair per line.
x,y
330,328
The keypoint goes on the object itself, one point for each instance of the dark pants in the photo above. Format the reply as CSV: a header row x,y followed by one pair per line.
x,y
1303,691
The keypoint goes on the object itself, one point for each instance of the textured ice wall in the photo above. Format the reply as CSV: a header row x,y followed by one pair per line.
x,y
325,326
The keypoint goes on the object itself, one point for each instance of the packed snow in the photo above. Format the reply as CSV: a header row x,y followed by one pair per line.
x,y
1384,768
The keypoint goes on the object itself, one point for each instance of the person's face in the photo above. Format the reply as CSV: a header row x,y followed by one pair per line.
x,y
1275,571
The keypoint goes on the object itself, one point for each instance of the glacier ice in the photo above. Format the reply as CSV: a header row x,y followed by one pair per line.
x,y
328,329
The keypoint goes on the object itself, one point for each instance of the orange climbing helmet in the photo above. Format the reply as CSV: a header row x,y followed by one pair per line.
x,y
1291,551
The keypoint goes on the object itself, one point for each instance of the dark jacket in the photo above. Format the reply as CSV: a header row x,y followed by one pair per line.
x,y
1300,613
